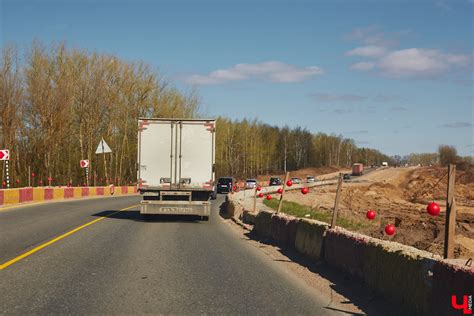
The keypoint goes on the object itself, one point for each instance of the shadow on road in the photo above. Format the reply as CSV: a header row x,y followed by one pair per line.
x,y
352,288
136,216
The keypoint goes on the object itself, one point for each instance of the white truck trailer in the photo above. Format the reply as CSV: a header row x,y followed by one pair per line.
x,y
176,159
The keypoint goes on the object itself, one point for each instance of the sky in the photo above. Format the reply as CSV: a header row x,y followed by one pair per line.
x,y
392,75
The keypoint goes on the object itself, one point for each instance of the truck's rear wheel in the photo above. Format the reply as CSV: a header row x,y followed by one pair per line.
x,y
205,218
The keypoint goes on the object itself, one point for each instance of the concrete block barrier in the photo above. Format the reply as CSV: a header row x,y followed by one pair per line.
x,y
418,281
230,207
449,280
11,196
292,229
263,224
279,228
249,217
398,272
283,228
38,194
27,195
345,252
68,193
310,237
48,193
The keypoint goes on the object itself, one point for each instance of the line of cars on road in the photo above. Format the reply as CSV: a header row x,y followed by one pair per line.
x,y
229,184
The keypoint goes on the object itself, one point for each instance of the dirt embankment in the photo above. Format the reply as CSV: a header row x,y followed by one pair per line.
x,y
400,196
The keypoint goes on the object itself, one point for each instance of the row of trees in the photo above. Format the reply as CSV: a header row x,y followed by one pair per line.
x,y
446,155
247,148
56,104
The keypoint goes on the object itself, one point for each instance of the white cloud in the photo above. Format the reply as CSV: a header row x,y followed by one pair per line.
x,y
412,62
327,97
373,35
415,62
363,66
457,125
368,51
273,71
418,62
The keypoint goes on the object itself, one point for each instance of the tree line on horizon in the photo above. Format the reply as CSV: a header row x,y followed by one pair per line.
x,y
247,148
57,103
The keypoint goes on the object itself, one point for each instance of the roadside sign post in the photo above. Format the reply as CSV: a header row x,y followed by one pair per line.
x,y
7,174
5,156
103,149
87,176
450,226
336,201
85,165
283,192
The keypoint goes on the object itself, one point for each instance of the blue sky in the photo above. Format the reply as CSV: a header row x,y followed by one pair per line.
x,y
393,75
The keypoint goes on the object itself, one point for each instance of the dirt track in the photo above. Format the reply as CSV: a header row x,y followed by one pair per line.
x,y
400,196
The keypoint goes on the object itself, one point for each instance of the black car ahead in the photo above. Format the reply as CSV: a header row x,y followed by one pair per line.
x,y
275,181
225,184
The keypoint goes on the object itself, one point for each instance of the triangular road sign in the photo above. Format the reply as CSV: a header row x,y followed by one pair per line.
x,y
103,148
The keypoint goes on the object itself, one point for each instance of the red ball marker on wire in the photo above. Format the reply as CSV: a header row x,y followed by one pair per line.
x,y
371,214
433,209
390,229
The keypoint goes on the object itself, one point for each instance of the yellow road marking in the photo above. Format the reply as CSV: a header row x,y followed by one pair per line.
x,y
46,244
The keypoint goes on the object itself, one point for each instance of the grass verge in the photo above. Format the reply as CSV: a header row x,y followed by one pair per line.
x,y
298,210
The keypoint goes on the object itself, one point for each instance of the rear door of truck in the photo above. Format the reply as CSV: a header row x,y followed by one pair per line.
x,y
155,146
196,156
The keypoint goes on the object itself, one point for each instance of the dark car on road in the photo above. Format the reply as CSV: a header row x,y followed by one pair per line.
x,y
275,181
346,176
225,184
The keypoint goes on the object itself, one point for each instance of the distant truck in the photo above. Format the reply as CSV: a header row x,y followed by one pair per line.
x,y
176,160
357,169
384,164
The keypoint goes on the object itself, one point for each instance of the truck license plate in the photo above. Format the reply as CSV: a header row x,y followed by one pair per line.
x,y
175,210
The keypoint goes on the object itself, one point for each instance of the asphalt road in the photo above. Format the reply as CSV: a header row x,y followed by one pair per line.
x,y
122,264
